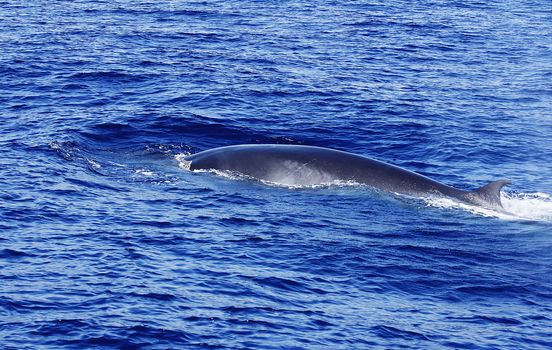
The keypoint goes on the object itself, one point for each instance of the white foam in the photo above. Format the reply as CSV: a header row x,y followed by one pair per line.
x,y
182,162
94,164
117,164
331,183
519,206
144,172
531,206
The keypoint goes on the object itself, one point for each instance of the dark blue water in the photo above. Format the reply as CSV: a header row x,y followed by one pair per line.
x,y
107,241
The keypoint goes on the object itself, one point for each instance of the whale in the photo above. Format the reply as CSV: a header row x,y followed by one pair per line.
x,y
301,165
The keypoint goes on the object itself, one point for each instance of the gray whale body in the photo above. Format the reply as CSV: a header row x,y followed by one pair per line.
x,y
310,165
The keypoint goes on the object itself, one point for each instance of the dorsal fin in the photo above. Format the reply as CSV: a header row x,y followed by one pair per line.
x,y
490,193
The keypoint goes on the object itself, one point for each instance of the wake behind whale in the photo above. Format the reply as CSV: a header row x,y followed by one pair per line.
x,y
310,165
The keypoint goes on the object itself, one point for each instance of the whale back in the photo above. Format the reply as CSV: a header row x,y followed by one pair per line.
x,y
282,164
310,165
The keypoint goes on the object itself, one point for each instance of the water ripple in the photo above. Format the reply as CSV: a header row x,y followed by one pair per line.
x,y
108,241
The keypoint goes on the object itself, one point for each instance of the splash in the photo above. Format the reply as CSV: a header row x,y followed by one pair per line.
x,y
326,184
517,206
530,206
182,162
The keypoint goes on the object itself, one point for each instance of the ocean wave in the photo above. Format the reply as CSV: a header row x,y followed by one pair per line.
x,y
109,242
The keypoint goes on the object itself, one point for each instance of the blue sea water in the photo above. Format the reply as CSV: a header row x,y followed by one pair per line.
x,y
108,241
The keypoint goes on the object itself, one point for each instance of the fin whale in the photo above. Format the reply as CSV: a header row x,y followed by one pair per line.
x,y
311,165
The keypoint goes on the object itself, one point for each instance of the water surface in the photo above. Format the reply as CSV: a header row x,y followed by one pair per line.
x,y
109,242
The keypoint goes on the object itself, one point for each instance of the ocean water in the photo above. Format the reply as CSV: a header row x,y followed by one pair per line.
x,y
108,241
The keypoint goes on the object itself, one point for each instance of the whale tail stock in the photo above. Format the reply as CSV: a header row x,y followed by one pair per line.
x,y
488,195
